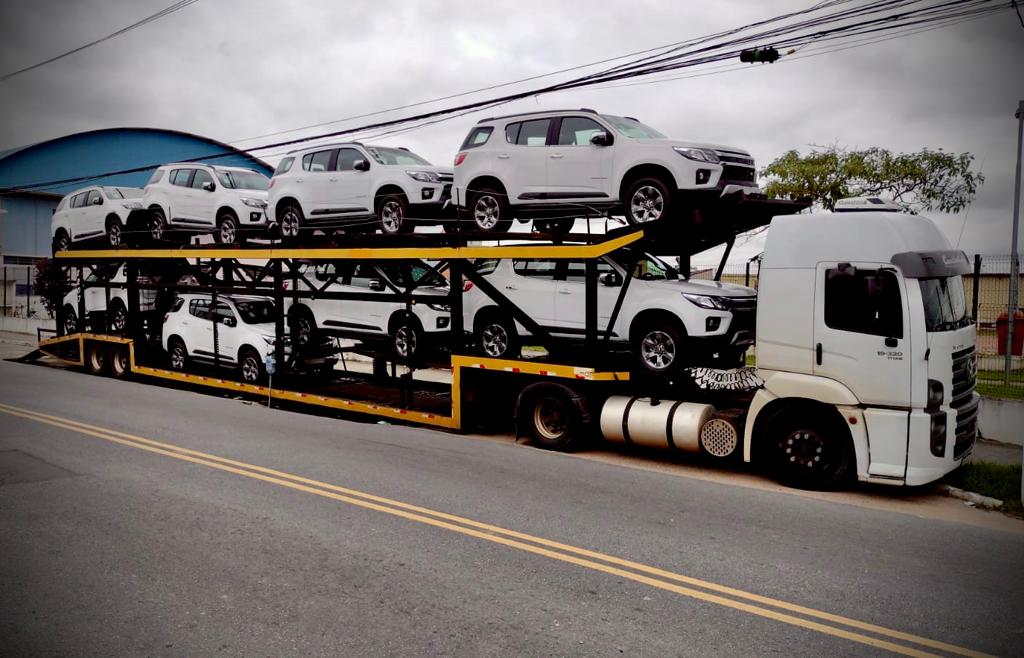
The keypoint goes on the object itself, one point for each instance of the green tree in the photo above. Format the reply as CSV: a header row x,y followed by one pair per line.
x,y
50,284
927,180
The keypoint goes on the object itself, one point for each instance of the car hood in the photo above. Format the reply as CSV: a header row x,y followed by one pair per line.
x,y
252,194
428,168
694,145
705,287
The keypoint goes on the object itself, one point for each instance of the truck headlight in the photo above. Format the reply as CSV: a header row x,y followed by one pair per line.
x,y
700,155
424,176
705,301
254,203
938,434
935,394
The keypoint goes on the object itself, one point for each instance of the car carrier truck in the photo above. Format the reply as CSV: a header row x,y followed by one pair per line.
x,y
865,352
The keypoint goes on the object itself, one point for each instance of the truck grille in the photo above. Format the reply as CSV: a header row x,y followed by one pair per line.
x,y
738,173
964,401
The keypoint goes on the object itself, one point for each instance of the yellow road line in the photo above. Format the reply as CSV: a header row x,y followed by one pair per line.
x,y
512,539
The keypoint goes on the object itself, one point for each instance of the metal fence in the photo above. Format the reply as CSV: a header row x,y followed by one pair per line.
x,y
988,297
18,297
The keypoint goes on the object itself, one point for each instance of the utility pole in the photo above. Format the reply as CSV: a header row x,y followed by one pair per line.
x,y
1012,302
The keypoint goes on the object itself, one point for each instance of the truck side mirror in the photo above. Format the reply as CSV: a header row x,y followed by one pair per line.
x,y
610,279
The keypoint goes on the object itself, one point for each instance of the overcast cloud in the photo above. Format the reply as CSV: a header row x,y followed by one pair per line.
x,y
231,69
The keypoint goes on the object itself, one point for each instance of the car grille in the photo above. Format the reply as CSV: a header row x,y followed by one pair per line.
x,y
738,159
738,173
744,312
964,401
446,178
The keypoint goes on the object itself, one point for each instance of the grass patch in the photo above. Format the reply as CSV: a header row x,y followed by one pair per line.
x,y
1001,481
1012,391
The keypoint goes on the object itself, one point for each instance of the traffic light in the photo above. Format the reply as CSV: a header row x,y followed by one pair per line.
x,y
754,55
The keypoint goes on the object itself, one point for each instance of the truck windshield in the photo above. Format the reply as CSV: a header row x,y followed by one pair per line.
x,y
255,311
632,128
243,180
945,307
389,156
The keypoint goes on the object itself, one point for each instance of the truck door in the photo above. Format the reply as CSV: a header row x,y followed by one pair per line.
x,y
862,340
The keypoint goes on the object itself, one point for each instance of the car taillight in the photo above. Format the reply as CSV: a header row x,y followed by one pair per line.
x,y
467,286
460,158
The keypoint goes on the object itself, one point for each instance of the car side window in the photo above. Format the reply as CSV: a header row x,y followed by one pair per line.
x,y
284,166
362,276
533,133
178,303
512,132
540,269
156,177
181,177
94,196
577,131
347,159
202,176
477,137
324,271
486,265
576,270
221,312
864,301
199,308
78,200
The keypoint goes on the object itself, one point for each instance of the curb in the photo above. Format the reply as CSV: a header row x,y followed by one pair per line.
x,y
971,497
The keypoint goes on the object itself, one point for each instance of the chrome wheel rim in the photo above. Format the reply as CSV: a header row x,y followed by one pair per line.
x,y
227,231
250,369
549,418
405,341
290,223
303,331
486,212
391,216
494,340
658,350
119,319
178,357
114,234
647,204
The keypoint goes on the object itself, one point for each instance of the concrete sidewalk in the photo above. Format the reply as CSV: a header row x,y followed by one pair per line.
x,y
994,451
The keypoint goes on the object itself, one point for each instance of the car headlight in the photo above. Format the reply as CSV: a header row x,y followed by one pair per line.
x,y
269,340
132,205
700,155
705,301
254,203
424,176
439,307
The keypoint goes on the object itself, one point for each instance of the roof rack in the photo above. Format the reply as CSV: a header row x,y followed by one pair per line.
x,y
326,146
524,114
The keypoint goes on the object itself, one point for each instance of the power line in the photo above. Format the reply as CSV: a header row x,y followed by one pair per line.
x,y
177,6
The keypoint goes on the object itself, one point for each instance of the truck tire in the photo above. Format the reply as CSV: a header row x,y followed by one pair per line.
x,y
489,211
120,365
96,358
809,449
497,338
550,418
647,199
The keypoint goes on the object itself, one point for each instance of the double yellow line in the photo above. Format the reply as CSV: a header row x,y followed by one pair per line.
x,y
695,588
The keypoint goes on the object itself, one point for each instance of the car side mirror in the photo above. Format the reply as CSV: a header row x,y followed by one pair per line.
x,y
98,201
209,186
375,284
610,279
600,139
229,322
361,165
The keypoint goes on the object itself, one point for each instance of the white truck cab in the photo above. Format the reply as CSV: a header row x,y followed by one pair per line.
x,y
866,349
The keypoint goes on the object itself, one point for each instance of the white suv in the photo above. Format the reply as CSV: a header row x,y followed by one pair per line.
x,y
228,202
560,165
670,322
407,331
92,212
356,186
245,332
95,301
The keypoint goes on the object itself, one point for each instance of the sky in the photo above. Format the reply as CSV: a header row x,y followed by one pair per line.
x,y
238,69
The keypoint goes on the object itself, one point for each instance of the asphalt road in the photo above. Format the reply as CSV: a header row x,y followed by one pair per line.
x,y
114,544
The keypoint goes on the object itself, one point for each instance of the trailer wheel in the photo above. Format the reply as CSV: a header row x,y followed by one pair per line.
x,y
809,449
96,358
70,320
61,241
178,354
497,338
551,419
120,365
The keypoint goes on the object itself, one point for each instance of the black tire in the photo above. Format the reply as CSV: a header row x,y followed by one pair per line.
x,y
177,354
115,233
117,316
391,212
250,366
227,229
61,242
70,320
497,337
659,346
551,420
303,327
406,337
489,211
120,364
96,359
289,222
809,449
647,199
156,225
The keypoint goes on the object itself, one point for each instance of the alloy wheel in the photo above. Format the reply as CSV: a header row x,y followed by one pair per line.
x,y
114,234
405,341
227,231
70,323
250,369
658,350
119,320
391,217
486,212
290,223
647,204
178,357
494,340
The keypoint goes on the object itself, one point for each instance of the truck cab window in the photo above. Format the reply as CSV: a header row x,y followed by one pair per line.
x,y
864,301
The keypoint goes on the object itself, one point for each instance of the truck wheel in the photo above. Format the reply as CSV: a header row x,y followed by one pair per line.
x,y
118,316
96,358
406,338
250,366
551,419
497,337
647,200
70,320
119,363
290,222
809,450
659,347
391,211
227,229
489,211
61,241
114,232
178,354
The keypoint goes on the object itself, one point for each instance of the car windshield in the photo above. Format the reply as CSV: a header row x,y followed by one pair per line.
x,y
632,128
243,180
945,306
419,272
113,193
256,311
648,268
389,156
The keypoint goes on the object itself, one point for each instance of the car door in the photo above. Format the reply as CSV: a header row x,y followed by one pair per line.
x,y
76,216
531,287
578,169
203,205
571,297
363,315
228,332
350,187
318,169
198,328
180,200
93,213
522,164
328,312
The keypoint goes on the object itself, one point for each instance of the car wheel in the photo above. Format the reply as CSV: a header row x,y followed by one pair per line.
x,y
391,214
61,242
659,348
96,358
647,200
809,450
406,338
250,366
489,211
70,320
304,329
227,229
497,337
115,232
118,316
120,365
178,354
157,224
290,222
